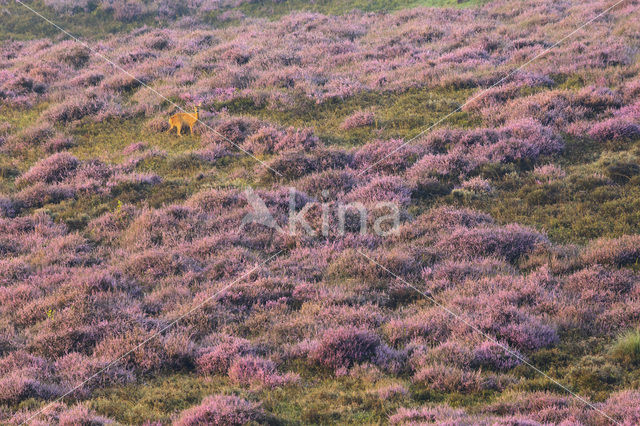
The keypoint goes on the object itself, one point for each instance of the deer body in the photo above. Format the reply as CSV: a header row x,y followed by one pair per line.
x,y
184,119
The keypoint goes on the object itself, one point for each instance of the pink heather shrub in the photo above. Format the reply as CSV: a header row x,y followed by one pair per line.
x,y
549,172
358,119
87,79
542,407
333,183
292,165
222,410
517,327
133,180
623,406
218,359
72,53
509,242
40,194
59,143
632,90
248,370
598,99
603,283
234,130
34,135
386,156
391,392
297,139
24,376
74,369
615,129
7,207
386,188
620,251
17,386
493,356
297,164
450,353
442,414
343,347
81,415
52,169
450,272
216,200
523,139
477,184
59,414
443,378
73,108
449,218
171,351
434,325
154,264
264,141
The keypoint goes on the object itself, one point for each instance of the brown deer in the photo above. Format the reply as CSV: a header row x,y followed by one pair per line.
x,y
184,118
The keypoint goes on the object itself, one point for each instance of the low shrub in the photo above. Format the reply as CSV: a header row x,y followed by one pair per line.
x,y
382,189
248,370
493,356
218,359
438,414
52,169
618,251
222,410
358,119
343,347
615,129
448,379
510,242
388,157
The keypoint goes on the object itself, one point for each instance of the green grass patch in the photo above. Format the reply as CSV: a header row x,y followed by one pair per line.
x,y
397,115
626,348
19,23
275,9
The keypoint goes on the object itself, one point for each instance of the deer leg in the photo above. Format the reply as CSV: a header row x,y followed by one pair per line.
x,y
179,129
191,129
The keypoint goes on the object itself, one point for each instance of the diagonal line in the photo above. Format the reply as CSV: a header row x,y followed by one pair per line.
x,y
189,312
493,339
142,83
539,55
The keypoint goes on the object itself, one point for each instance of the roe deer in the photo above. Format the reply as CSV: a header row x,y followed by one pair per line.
x,y
183,118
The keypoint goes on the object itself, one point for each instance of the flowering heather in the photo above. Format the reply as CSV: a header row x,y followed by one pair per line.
x,y
253,370
516,206
222,410
620,251
384,188
358,119
52,169
615,129
385,157
343,347
510,242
